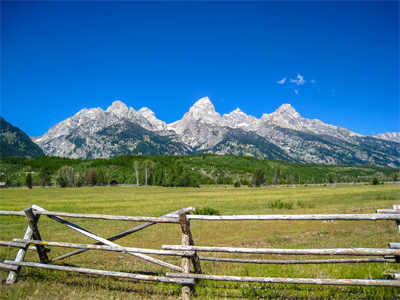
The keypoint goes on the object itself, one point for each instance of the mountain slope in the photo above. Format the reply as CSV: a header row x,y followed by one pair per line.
x,y
117,139
389,136
15,143
242,143
80,135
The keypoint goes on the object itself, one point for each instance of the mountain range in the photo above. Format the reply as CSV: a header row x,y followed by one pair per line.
x,y
283,134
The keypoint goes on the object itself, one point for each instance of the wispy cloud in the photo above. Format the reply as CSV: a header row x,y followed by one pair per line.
x,y
299,80
282,81
295,84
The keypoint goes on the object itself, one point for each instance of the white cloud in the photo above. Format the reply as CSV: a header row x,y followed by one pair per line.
x,y
299,80
282,81
296,91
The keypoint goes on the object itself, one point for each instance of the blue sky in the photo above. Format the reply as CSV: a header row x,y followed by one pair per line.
x,y
340,59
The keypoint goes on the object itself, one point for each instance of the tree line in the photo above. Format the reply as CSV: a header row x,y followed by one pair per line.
x,y
176,171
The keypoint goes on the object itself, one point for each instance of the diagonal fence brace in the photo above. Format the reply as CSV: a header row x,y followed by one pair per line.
x,y
107,242
125,233
32,222
12,276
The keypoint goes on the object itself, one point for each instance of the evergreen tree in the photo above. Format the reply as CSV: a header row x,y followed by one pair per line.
x,y
100,177
28,180
45,177
258,178
276,177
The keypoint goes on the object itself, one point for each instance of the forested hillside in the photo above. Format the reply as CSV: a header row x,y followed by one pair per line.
x,y
14,142
185,170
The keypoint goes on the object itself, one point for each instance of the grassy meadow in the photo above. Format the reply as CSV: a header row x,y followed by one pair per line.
x,y
156,201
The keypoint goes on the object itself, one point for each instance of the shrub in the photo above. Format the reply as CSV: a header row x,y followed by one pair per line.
x,y
236,184
80,178
375,181
303,204
278,204
206,211
65,176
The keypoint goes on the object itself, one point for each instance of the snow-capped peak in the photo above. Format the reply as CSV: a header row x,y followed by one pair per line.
x,y
119,108
203,110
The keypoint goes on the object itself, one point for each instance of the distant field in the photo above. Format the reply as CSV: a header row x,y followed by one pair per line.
x,y
155,201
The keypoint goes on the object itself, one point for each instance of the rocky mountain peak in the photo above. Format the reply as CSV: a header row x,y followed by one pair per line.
x,y
119,108
237,111
203,110
239,119
150,116
203,104
287,109
146,111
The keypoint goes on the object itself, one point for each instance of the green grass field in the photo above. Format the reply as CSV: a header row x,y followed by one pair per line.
x,y
156,201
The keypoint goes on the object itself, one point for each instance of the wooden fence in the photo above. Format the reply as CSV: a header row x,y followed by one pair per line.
x,y
188,251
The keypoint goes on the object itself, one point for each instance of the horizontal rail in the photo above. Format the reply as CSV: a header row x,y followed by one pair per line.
x,y
22,243
349,217
297,261
394,245
22,214
358,282
332,251
8,267
384,214
17,245
14,244
102,272
12,213
110,217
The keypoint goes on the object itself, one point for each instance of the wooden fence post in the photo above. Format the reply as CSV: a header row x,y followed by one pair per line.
x,y
187,240
32,223
397,258
185,260
12,276
396,207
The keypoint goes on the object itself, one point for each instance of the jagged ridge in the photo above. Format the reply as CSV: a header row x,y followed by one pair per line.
x,y
283,134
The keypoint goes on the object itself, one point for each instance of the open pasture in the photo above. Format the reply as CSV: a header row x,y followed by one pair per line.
x,y
156,201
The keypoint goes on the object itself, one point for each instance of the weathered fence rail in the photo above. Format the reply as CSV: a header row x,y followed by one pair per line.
x,y
188,251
